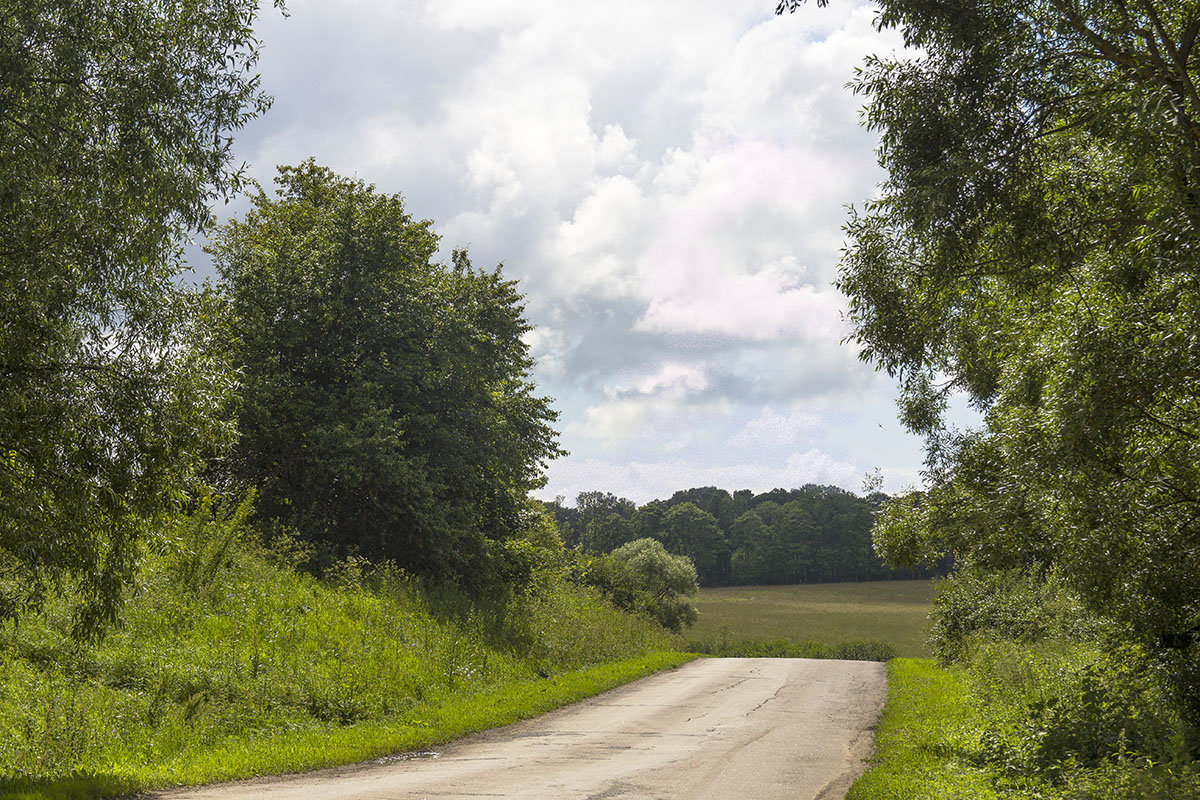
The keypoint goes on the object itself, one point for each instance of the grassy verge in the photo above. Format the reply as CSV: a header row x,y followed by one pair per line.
x,y
925,741
422,727
229,663
875,620
948,734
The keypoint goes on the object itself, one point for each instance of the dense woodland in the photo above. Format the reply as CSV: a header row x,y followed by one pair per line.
x,y
807,535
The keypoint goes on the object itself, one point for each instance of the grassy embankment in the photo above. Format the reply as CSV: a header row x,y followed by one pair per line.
x,y
229,663
1041,699
872,620
924,745
947,735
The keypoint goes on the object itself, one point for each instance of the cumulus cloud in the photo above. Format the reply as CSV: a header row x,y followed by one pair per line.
x,y
671,380
669,188
646,423
772,428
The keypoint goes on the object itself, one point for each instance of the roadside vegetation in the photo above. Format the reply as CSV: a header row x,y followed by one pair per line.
x,y
284,520
278,521
228,662
1033,698
1033,252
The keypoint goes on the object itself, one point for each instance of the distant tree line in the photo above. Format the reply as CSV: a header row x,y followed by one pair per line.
x,y
808,535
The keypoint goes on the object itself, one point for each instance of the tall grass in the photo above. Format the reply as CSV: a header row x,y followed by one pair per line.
x,y
224,647
871,620
1037,699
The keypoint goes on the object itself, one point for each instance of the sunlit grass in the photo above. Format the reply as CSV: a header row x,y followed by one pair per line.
x,y
831,614
426,725
259,668
925,739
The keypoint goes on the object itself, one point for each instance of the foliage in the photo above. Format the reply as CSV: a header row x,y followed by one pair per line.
x,y
784,648
605,532
1052,702
692,532
115,133
1050,707
1016,605
936,741
387,408
1035,248
249,666
810,534
642,577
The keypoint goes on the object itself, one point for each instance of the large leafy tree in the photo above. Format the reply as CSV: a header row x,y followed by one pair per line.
x,y
387,407
115,122
688,530
641,576
1035,247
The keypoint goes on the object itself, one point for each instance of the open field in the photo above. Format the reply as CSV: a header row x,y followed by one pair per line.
x,y
828,613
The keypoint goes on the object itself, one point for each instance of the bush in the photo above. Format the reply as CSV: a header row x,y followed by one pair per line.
x,y
642,577
1021,605
1054,707
1134,779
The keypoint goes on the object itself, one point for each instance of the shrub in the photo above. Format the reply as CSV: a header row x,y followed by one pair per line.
x,y
1021,605
642,577
1056,706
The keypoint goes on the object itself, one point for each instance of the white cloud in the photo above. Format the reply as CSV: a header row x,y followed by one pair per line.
x,y
668,186
661,423
772,429
676,381
647,480
593,246
765,306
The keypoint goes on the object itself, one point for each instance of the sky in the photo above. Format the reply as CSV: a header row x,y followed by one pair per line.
x,y
667,181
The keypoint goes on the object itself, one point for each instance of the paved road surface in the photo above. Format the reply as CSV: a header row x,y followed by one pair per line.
x,y
714,729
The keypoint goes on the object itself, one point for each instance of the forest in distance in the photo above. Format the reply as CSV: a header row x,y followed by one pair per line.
x,y
812,534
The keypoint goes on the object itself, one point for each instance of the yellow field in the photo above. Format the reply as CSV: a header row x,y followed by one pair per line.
x,y
828,613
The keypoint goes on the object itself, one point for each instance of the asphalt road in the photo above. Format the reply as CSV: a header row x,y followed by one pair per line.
x,y
719,729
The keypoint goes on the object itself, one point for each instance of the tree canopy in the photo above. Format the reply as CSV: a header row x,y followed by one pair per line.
x,y
115,123
1035,248
642,576
386,404
814,533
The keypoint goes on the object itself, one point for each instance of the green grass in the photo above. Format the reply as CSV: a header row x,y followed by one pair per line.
x,y
228,663
829,614
945,735
926,742
424,726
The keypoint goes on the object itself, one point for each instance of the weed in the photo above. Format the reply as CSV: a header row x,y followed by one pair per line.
x,y
228,662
